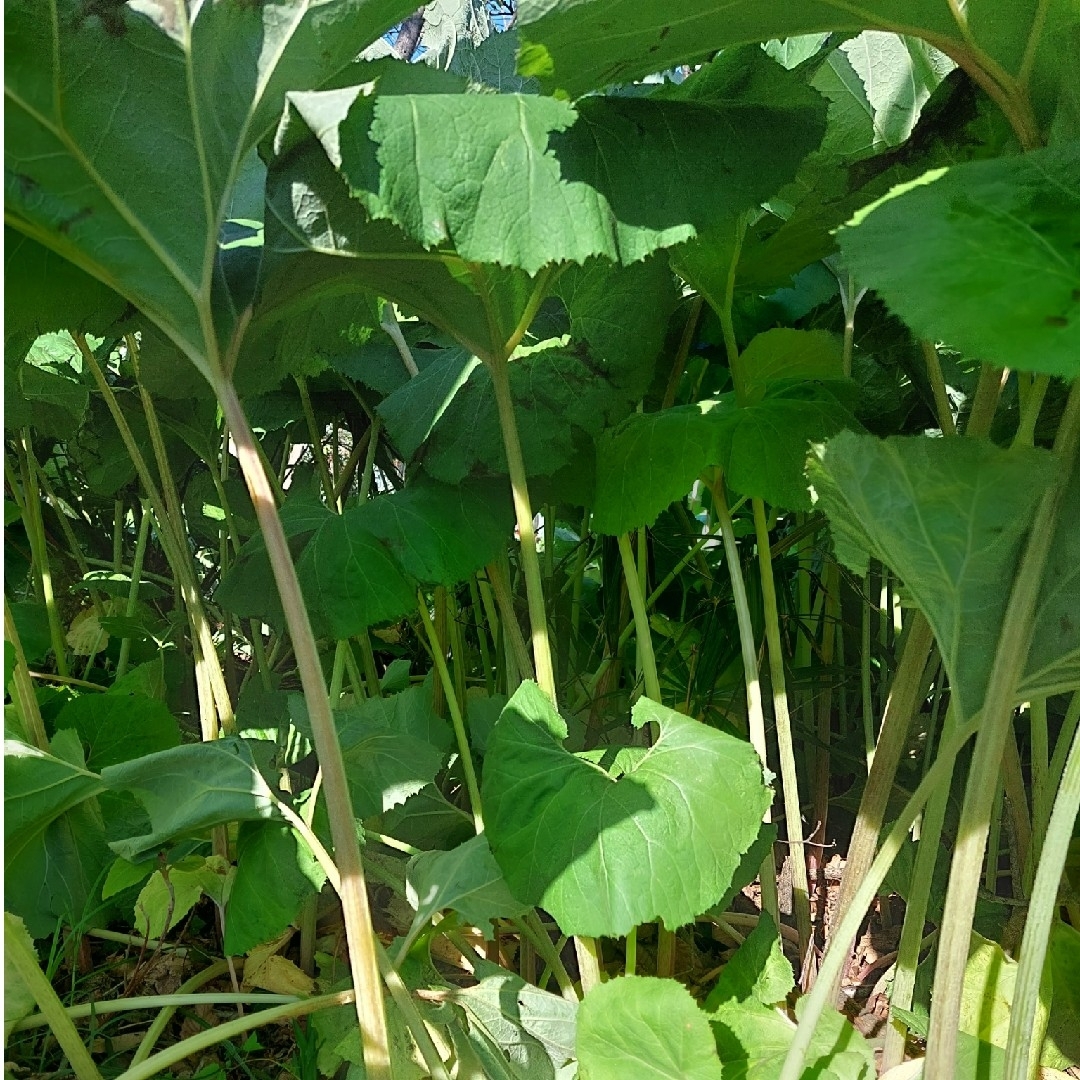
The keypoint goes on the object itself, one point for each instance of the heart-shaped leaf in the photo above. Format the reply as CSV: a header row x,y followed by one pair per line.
x,y
603,855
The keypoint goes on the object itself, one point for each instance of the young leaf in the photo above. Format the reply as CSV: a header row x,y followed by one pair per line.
x,y
467,879
758,971
190,788
947,515
1016,301
162,904
647,1028
661,842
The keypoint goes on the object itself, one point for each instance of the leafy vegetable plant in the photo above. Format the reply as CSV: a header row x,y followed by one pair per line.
x,y
476,541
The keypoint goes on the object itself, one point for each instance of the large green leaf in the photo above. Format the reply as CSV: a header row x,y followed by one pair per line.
x,y
661,842
946,515
321,245
90,158
647,1028
1013,299
579,45
190,788
267,851
54,836
467,879
363,567
526,181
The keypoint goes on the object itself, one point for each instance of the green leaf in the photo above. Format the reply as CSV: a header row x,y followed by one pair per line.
x,y
266,851
363,567
652,459
467,879
647,1028
574,181
1053,665
518,1031
119,727
946,515
188,789
38,788
784,353
661,842
758,971
162,904
753,1041
1063,1030
393,746
492,64
648,462
1015,301
581,45
89,160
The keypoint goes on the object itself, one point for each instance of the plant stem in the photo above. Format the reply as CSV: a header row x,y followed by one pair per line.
x,y
363,960
533,930
641,620
511,629
895,724
1010,658
1040,918
35,531
456,718
316,440
19,956
937,385
534,588
788,774
770,902
133,591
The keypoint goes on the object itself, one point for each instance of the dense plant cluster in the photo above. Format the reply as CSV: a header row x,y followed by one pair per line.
x,y
558,558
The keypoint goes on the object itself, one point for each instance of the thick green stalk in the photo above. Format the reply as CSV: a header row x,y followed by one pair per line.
x,y
456,718
789,776
1010,658
937,385
316,440
534,588
770,902
1020,1061
19,956
515,642
363,959
641,620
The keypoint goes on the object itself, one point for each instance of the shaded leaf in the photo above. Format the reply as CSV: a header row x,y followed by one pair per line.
x,y
119,727
946,515
189,789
